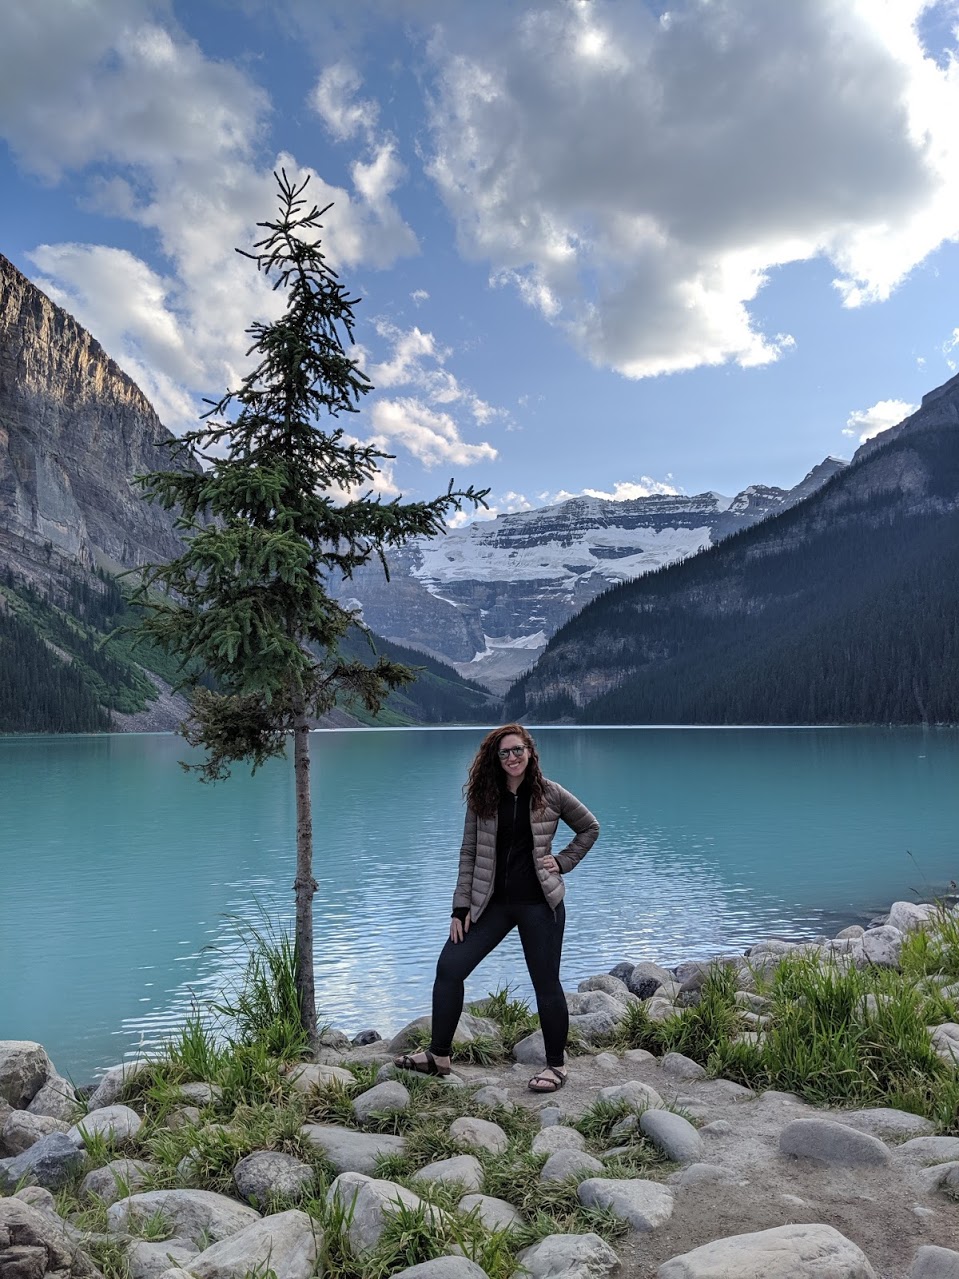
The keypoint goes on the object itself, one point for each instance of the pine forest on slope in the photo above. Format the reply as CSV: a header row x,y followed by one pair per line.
x,y
844,609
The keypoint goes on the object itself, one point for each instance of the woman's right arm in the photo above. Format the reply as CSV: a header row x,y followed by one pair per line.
x,y
463,893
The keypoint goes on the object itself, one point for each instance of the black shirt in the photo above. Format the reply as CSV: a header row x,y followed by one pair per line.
x,y
515,879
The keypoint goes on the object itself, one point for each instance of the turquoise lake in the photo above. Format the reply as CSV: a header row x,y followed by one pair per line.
x,y
122,878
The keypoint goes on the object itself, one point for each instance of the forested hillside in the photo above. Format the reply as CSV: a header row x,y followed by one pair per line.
x,y
842,610
66,663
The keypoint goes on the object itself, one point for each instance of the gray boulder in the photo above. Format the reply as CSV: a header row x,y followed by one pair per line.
x,y
643,1204
479,1134
51,1162
645,979
308,1076
931,1262
832,1143
287,1243
198,1215
882,946
596,1026
116,1180
881,1121
676,1066
492,1214
34,1243
21,1130
673,1135
659,1009
945,1041
492,1095
567,1162
928,1150
267,1175
908,916
638,1096
363,1038
609,984
373,1202
118,1125
24,1069
466,1170
147,1259
785,1252
200,1093
442,1268
567,1257
531,1051
112,1082
388,1096
38,1197
557,1137
350,1151
57,1099
468,1029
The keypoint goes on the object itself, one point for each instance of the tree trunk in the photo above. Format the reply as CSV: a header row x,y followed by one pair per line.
x,y
304,885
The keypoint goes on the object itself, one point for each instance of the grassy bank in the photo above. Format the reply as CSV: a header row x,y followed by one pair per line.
x,y
830,1032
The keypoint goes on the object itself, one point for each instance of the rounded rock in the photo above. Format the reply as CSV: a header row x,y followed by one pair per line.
x,y
492,1214
463,1170
673,1135
643,1204
386,1097
265,1175
479,1134
567,1162
116,1124
116,1180
557,1137
831,1143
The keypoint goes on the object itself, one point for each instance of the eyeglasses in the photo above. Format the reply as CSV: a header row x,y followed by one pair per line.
x,y
516,751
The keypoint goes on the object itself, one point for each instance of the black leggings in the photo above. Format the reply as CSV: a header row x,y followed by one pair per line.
x,y
541,935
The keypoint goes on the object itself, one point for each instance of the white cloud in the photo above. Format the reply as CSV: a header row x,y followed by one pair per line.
x,y
417,360
419,296
334,98
496,504
431,436
866,423
637,180
169,139
629,490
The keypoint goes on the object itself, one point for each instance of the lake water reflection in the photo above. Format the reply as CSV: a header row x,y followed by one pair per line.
x,y
120,875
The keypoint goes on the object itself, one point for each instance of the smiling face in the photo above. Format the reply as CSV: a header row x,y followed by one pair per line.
x,y
513,758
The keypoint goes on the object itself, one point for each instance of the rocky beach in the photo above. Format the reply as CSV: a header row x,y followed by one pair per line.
x,y
649,1162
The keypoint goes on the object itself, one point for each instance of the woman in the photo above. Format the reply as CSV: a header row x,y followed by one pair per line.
x,y
509,878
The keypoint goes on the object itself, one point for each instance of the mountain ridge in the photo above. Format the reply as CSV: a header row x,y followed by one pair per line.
x,y
488,597
706,640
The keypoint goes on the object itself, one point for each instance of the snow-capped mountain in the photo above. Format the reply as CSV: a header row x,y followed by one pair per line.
x,y
488,597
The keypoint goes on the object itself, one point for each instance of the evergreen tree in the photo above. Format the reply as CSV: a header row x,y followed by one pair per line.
x,y
282,503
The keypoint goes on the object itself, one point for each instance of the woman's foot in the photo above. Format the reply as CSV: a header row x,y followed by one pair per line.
x,y
423,1063
549,1079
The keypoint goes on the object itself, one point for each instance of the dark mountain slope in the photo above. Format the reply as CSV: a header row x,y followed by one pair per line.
x,y
844,609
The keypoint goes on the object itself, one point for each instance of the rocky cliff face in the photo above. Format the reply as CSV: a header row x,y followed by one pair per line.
x,y
488,597
74,430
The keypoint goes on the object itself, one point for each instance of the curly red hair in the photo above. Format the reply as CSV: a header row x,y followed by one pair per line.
x,y
484,786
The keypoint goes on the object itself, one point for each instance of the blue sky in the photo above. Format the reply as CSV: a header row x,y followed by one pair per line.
x,y
602,246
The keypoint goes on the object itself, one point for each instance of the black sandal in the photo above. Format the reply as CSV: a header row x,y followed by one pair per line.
x,y
551,1077
428,1067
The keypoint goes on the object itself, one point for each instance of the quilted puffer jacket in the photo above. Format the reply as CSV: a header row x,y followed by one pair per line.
x,y
474,884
